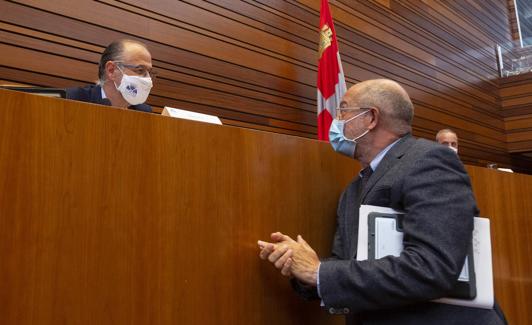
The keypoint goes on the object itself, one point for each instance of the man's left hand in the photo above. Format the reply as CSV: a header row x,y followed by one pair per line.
x,y
292,257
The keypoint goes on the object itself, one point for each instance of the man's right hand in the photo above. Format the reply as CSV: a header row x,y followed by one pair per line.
x,y
278,253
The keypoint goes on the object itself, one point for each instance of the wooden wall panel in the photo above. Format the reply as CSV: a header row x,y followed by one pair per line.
x,y
253,63
505,199
516,102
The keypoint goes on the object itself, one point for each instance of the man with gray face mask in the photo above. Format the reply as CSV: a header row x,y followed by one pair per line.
x,y
125,77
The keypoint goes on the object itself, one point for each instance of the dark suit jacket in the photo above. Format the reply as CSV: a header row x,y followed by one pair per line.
x,y
93,94
430,184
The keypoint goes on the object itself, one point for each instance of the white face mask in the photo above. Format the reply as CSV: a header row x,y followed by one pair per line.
x,y
453,149
135,89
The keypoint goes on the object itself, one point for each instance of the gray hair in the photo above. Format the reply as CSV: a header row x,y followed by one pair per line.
x,y
442,131
397,110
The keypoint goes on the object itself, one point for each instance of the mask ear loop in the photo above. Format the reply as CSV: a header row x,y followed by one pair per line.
x,y
354,117
347,121
122,72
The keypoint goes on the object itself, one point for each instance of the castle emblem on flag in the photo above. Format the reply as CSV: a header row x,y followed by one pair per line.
x,y
325,39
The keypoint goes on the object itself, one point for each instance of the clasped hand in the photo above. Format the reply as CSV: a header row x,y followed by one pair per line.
x,y
293,258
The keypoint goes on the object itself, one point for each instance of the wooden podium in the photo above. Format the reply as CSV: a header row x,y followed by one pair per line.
x,y
118,217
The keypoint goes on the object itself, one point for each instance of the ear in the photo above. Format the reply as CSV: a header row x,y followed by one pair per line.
x,y
374,115
110,70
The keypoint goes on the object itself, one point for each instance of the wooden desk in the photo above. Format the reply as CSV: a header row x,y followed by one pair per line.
x,y
115,217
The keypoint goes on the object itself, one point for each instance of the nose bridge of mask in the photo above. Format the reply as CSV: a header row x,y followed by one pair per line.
x,y
144,79
145,82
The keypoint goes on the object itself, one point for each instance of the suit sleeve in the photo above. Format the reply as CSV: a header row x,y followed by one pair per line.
x,y
435,193
77,93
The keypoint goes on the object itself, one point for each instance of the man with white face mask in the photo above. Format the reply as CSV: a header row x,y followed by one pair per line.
x,y
448,138
422,178
125,77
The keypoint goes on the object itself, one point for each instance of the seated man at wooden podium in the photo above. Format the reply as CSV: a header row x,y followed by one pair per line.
x,y
420,177
124,77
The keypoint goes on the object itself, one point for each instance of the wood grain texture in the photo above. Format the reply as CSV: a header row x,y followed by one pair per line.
x,y
253,63
505,199
516,102
110,216
115,217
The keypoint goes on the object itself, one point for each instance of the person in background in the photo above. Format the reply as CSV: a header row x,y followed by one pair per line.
x,y
448,138
124,77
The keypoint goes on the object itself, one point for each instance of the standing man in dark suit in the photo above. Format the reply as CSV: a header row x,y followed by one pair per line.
x,y
125,77
426,181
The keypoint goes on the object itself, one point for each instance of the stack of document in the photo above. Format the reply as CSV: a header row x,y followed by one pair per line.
x,y
386,239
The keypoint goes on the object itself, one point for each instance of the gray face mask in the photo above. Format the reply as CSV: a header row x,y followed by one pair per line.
x,y
339,142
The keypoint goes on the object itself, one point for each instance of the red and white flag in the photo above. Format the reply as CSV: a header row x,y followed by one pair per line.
x,y
331,81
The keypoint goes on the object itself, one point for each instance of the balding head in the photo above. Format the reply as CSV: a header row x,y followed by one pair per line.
x,y
121,50
390,98
448,138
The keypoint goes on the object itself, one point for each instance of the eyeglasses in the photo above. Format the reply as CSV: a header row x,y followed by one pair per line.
x,y
340,111
140,70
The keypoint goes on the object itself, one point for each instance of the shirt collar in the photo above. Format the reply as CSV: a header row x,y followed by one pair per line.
x,y
378,158
103,93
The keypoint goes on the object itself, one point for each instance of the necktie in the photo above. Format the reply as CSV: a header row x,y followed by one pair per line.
x,y
365,174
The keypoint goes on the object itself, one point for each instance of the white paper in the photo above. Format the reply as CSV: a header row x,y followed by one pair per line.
x,y
188,115
483,268
365,210
388,241
481,254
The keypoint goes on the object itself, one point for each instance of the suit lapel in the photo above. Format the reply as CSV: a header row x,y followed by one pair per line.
x,y
351,221
396,152
96,95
